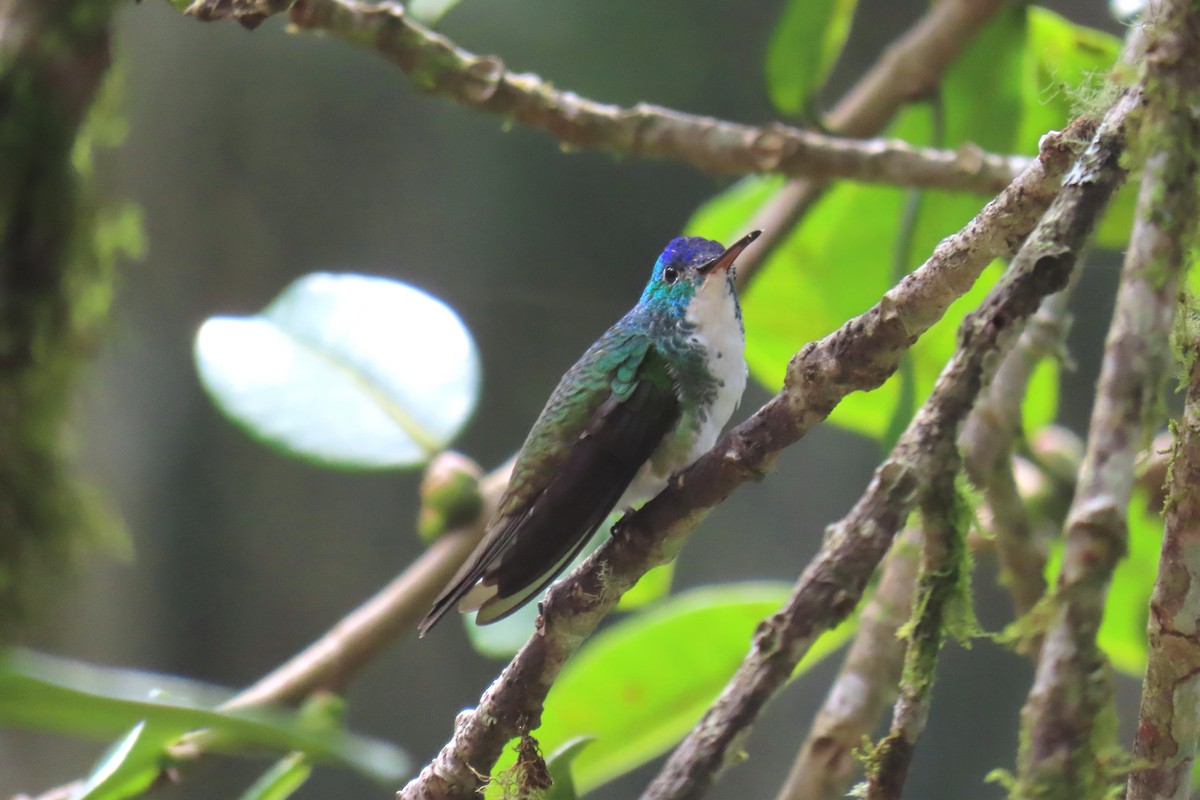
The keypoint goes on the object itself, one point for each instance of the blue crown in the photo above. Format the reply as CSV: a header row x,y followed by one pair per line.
x,y
690,251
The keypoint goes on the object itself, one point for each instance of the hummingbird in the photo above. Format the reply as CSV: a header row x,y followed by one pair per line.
x,y
643,403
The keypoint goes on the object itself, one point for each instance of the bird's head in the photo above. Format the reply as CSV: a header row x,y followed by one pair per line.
x,y
689,268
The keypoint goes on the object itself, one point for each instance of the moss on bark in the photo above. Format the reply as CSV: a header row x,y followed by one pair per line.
x,y
56,260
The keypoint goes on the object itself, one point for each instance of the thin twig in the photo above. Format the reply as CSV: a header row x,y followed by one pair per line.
x,y
1062,739
939,588
866,682
858,356
439,66
987,441
909,69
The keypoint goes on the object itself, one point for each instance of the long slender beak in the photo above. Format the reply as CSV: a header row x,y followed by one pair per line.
x,y
726,259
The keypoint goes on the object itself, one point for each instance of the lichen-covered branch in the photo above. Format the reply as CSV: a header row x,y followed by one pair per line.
x,y
940,588
483,83
865,684
1167,732
909,69
1062,731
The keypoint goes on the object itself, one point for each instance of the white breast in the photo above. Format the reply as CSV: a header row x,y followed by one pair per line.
x,y
718,329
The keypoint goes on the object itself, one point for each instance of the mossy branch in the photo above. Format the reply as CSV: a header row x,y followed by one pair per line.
x,y
865,684
940,589
54,281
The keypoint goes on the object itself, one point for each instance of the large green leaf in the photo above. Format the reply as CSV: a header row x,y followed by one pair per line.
x,y
350,370
843,258
52,694
804,47
640,685
1015,82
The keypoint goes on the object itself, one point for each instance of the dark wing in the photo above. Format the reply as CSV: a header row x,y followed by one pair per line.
x,y
532,544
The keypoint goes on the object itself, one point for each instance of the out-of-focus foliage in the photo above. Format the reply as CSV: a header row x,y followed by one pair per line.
x,y
559,764
1123,631
150,711
804,48
349,370
1022,76
282,780
129,766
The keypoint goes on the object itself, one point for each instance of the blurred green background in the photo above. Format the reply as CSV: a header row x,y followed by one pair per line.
x,y
259,157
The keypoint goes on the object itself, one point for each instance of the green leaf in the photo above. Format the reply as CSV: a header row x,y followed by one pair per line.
x,y
282,780
429,11
348,370
641,684
1122,633
129,766
52,694
502,639
1020,77
650,588
804,47
559,766
1066,70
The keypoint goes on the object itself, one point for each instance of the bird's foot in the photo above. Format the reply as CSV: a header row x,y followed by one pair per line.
x,y
621,525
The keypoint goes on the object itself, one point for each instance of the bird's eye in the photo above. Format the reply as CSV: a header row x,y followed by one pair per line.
x,y
670,275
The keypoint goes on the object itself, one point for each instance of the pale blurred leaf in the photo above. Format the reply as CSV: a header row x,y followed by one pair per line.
x,y
349,370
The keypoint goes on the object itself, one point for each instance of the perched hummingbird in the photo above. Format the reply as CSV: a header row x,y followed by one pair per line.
x,y
644,402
